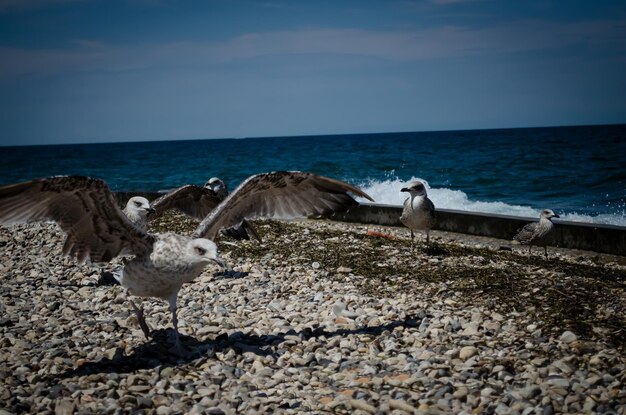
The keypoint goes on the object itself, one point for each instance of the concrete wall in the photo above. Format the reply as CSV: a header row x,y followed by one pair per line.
x,y
574,235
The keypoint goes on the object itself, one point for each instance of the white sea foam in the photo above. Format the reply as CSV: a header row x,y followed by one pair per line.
x,y
388,192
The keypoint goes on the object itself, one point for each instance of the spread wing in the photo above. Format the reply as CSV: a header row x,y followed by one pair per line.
x,y
192,200
243,230
526,234
279,195
84,208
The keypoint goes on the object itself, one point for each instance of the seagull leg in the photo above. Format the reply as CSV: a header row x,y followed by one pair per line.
x,y
178,348
546,251
412,238
141,319
427,237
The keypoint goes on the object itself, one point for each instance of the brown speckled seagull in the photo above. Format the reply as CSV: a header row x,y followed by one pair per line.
x,y
538,233
98,230
197,202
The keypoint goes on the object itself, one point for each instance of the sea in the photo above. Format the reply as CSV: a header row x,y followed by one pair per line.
x,y
579,172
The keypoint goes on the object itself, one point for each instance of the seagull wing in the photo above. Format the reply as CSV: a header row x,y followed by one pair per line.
x,y
243,230
431,208
279,195
192,200
526,234
84,208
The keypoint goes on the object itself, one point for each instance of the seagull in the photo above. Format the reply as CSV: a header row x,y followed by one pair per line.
x,y
218,186
197,202
137,210
538,233
419,210
98,230
194,201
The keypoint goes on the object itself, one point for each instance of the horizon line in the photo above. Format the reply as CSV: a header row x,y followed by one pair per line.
x,y
312,135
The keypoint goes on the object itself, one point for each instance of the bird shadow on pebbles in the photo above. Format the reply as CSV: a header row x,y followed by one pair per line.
x,y
149,355
230,274
107,278
435,249
156,352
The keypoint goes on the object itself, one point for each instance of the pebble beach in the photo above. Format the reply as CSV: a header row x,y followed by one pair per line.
x,y
321,317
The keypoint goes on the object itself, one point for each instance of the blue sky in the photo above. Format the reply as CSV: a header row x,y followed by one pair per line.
x,y
111,70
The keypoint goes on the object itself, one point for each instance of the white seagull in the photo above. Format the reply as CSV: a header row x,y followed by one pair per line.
x,y
538,233
98,230
419,210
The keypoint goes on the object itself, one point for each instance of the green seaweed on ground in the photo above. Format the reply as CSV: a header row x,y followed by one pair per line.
x,y
171,221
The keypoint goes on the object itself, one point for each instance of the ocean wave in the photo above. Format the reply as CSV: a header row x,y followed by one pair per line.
x,y
388,192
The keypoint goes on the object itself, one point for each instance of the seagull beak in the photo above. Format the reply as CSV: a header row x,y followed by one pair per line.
x,y
151,210
219,261
404,189
556,216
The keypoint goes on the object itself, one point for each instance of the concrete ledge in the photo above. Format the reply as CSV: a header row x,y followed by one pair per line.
x,y
573,235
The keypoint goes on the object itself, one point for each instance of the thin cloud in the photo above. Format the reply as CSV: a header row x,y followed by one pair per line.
x,y
446,2
20,5
430,43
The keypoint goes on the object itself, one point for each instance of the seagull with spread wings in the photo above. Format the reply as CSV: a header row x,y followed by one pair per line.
x,y
98,230
197,202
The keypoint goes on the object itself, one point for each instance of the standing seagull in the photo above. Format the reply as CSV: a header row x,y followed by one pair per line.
x,y
538,233
419,210
98,230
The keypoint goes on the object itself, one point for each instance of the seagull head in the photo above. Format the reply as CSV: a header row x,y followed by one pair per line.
x,y
415,188
218,186
204,251
548,214
140,205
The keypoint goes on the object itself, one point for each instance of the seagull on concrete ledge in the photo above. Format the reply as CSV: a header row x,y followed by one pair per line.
x,y
419,210
538,233
98,230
